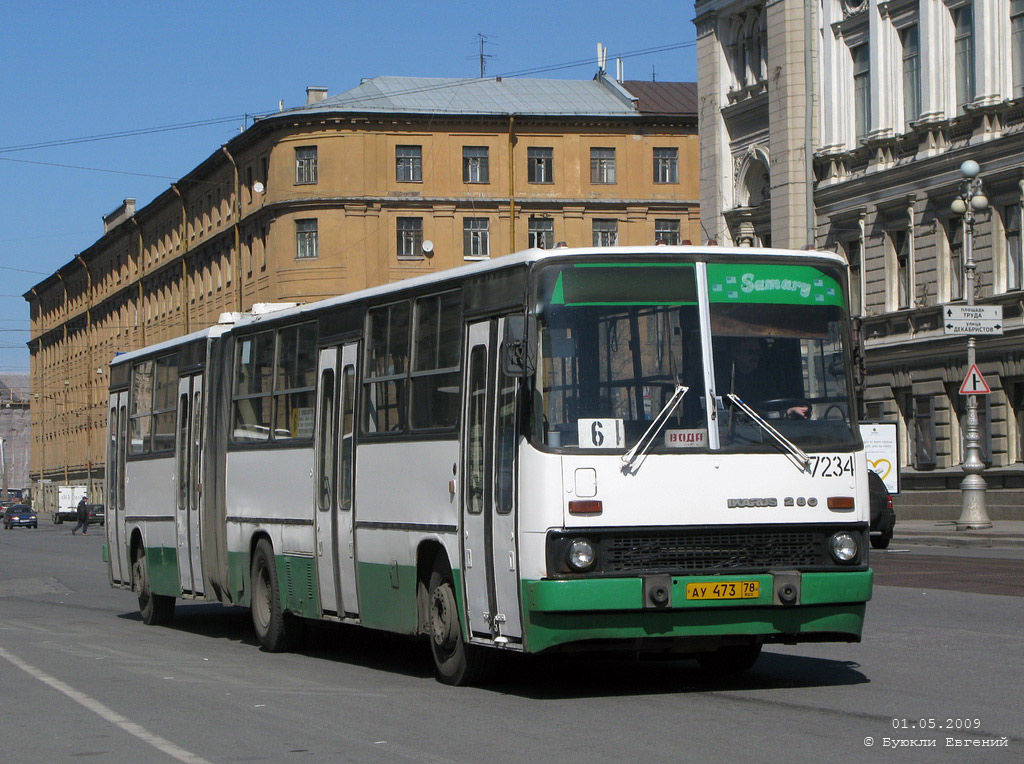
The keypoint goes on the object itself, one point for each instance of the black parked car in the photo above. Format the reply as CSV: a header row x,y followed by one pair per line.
x,y
883,516
97,514
20,514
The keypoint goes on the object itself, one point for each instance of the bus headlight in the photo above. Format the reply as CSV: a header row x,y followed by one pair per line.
x,y
580,555
843,547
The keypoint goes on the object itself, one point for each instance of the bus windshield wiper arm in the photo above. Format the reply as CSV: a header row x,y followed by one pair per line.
x,y
785,442
647,439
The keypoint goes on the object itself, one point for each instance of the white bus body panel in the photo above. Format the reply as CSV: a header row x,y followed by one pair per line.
x,y
696,489
406,483
149,496
266,489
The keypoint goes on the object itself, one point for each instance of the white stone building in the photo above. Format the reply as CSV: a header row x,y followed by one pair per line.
x,y
842,124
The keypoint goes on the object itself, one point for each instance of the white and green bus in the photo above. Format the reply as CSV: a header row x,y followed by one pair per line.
x,y
642,449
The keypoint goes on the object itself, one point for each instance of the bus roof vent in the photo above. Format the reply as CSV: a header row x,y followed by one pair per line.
x,y
228,318
260,308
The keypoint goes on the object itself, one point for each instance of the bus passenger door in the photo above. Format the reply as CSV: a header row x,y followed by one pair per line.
x,y
188,483
117,436
325,482
490,560
334,452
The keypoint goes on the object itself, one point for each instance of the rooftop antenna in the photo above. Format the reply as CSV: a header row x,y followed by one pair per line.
x,y
654,74
483,56
602,57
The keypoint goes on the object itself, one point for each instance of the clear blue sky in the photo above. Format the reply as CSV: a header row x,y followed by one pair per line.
x,y
76,70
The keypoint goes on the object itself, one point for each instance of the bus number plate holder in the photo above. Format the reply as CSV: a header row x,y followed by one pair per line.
x,y
724,590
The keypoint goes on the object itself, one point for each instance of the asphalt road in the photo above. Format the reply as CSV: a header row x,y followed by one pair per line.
x,y
82,679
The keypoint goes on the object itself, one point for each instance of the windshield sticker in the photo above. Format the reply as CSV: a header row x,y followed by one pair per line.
x,y
591,284
686,438
773,284
600,433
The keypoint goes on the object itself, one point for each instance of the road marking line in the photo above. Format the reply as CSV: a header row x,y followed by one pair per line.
x,y
106,712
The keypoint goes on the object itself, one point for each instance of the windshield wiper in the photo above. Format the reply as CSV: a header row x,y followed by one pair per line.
x,y
785,442
647,439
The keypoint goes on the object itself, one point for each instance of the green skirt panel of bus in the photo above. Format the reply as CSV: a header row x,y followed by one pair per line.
x,y
781,607
296,576
162,570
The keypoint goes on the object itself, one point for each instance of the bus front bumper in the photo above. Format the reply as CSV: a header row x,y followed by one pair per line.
x,y
827,606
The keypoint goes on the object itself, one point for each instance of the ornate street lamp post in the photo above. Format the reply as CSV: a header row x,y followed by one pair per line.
x,y
969,200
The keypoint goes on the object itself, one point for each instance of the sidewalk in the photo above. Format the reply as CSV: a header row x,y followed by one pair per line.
x,y
1003,533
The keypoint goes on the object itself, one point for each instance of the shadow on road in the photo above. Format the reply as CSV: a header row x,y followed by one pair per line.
x,y
540,677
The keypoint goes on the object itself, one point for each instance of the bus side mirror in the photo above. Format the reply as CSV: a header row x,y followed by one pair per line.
x,y
519,347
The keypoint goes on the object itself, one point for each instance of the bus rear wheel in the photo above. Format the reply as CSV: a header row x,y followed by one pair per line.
x,y
155,609
732,659
276,630
455,662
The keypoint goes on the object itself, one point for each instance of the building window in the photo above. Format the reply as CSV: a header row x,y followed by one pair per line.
x,y
911,74
410,238
666,165
901,247
305,165
606,232
918,415
963,31
306,239
1015,399
853,249
1011,228
666,232
602,166
476,237
542,233
474,164
540,165
1017,46
955,241
861,90
409,164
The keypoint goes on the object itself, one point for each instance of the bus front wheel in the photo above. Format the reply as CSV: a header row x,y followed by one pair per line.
x,y
276,630
155,609
455,662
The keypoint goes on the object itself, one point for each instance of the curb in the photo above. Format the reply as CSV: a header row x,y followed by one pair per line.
x,y
961,540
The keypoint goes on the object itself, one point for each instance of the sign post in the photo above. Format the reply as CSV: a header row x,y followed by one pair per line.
x,y
970,199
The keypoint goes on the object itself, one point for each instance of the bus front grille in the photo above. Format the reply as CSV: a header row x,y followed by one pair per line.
x,y
705,550
712,552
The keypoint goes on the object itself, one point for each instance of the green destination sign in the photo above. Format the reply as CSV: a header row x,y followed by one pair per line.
x,y
772,284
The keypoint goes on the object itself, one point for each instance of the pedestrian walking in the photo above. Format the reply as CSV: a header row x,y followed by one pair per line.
x,y
83,518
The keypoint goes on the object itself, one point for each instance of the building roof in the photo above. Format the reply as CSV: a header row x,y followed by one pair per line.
x,y
664,97
601,96
14,388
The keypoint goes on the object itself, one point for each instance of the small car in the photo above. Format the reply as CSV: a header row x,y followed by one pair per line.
x,y
20,514
883,516
96,514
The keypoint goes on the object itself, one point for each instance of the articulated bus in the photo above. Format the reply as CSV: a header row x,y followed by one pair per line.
x,y
636,449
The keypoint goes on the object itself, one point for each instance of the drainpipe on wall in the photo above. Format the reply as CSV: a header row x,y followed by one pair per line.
x,y
183,291
139,312
67,367
88,377
238,216
512,181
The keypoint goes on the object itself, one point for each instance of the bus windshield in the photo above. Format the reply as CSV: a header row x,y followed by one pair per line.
x,y
616,339
776,337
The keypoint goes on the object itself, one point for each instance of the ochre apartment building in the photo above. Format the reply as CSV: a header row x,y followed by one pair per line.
x,y
395,178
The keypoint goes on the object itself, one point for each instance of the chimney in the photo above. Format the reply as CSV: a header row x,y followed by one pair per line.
x,y
315,94
118,216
